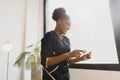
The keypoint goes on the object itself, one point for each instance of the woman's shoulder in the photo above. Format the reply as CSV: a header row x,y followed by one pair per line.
x,y
49,34
48,37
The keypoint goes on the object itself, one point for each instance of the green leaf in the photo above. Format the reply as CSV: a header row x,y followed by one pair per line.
x,y
28,62
32,56
30,46
21,58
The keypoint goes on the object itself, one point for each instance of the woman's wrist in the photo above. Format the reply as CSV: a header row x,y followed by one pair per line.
x,y
67,55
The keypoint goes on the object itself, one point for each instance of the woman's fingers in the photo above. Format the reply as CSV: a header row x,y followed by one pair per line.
x,y
75,53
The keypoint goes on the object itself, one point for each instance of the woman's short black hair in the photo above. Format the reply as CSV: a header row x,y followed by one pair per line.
x,y
59,13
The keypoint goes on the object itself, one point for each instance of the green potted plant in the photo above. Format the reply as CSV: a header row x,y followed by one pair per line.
x,y
31,59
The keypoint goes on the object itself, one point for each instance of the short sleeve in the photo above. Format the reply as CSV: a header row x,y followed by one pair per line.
x,y
46,47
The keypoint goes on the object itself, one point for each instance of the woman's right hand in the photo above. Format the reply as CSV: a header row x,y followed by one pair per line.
x,y
75,53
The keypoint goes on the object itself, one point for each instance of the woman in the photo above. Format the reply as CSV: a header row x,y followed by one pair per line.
x,y
55,49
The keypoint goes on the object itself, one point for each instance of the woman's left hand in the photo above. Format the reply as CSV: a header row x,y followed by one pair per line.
x,y
84,57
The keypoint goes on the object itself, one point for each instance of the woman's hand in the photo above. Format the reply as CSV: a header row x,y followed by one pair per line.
x,y
84,57
75,53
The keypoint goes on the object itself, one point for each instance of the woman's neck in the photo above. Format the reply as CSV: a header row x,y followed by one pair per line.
x,y
58,33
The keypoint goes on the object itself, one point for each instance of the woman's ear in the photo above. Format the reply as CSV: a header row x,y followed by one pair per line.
x,y
59,21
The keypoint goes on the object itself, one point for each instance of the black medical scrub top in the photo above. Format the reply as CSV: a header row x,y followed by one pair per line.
x,y
51,46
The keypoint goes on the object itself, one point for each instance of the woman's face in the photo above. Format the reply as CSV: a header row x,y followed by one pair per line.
x,y
64,25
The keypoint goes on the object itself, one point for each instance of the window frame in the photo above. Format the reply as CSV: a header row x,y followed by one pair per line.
x,y
109,67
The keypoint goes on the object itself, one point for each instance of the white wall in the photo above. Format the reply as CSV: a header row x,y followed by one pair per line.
x,y
20,22
34,31
11,29
82,74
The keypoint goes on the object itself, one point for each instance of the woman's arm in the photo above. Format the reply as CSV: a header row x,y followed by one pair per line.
x,y
78,58
54,60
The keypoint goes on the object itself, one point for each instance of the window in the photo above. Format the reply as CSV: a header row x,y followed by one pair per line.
x,y
92,28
